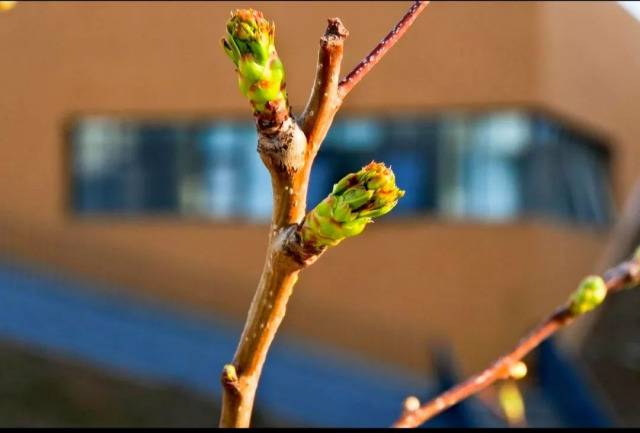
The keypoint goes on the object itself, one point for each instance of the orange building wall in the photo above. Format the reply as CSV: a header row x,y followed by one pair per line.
x,y
589,66
479,285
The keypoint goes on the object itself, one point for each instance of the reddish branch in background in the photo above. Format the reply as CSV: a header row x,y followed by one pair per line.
x,y
358,73
623,276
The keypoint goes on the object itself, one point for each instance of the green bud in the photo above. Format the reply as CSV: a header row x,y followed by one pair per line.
x,y
590,294
229,373
636,255
353,203
250,46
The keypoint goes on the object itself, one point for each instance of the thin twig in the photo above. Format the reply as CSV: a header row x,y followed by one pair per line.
x,y
616,279
323,101
366,64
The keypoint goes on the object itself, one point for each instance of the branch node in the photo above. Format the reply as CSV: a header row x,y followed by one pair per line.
x,y
303,254
335,30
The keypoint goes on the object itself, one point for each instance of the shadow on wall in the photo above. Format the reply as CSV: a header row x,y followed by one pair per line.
x,y
145,357
159,345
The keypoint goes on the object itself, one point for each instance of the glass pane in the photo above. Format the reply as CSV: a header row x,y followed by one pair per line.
x,y
497,166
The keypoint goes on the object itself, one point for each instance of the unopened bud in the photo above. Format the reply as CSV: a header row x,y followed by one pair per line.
x,y
589,295
250,45
518,370
229,373
355,200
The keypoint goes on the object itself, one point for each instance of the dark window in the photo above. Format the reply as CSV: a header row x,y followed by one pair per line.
x,y
488,166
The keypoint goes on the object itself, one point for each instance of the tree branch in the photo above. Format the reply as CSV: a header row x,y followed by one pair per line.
x,y
324,102
616,279
265,315
283,152
363,68
287,150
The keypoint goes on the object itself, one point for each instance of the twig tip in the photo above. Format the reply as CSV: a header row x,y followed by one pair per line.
x,y
335,29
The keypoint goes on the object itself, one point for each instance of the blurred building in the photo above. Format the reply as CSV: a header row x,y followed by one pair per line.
x,y
128,162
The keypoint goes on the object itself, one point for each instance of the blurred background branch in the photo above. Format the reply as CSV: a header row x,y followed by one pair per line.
x,y
588,296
